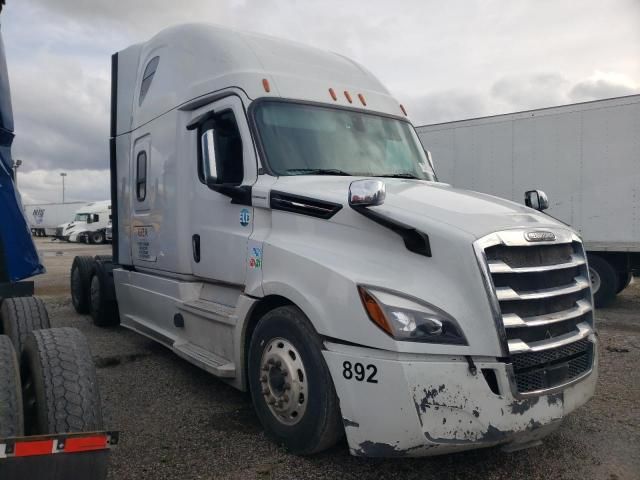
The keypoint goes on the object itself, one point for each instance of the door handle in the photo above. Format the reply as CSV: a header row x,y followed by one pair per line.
x,y
195,244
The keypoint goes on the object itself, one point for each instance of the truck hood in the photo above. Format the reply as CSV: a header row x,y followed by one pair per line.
x,y
418,203
73,227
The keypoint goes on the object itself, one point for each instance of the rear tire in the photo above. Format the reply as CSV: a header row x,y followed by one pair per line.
x,y
299,408
624,279
60,389
604,281
11,413
80,283
96,237
104,307
20,316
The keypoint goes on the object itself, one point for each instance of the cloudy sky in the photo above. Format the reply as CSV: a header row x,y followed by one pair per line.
x,y
445,60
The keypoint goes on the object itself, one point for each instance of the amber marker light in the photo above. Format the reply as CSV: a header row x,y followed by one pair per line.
x,y
362,100
348,96
403,110
374,310
265,85
332,92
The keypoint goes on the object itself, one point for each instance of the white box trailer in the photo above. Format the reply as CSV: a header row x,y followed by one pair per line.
x,y
276,222
44,218
585,156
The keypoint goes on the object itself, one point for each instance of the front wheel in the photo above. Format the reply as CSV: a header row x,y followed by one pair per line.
x,y
290,383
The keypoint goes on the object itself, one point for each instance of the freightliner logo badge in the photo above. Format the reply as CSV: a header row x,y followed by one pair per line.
x,y
540,236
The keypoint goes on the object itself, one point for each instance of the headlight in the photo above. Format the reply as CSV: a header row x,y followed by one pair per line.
x,y
410,320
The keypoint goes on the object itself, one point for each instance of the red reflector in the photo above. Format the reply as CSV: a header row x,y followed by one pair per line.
x,y
40,447
85,444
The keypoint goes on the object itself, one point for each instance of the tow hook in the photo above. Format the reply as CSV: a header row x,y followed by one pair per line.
x,y
472,366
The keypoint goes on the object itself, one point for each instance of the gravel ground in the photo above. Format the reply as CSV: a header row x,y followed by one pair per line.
x,y
176,421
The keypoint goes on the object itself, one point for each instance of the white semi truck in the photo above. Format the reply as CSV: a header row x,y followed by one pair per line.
x,y
89,224
586,156
44,218
277,223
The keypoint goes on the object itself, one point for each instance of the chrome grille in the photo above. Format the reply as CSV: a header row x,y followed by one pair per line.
x,y
543,306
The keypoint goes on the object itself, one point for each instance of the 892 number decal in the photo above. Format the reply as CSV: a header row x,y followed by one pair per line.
x,y
359,372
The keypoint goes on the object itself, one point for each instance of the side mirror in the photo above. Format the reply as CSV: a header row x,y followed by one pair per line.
x,y
367,193
209,162
536,199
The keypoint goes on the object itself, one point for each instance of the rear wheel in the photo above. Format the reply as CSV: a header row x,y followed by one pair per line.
x,y
11,413
604,281
81,271
290,383
624,279
96,237
60,389
104,307
20,316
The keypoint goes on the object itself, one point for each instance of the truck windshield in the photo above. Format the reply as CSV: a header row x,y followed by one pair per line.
x,y
315,140
81,217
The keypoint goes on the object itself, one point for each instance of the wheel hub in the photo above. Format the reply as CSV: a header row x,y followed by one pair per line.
x,y
283,380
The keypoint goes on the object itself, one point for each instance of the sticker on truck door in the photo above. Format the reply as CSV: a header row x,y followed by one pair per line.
x,y
143,248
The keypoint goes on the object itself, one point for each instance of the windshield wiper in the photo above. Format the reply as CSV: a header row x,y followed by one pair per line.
x,y
400,175
318,171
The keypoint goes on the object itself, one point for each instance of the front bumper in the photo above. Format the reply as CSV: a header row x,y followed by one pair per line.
x,y
431,404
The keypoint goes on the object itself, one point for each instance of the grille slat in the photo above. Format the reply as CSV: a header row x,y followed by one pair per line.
x,y
545,302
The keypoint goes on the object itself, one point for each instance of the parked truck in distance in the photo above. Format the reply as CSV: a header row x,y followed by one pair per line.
x,y
89,224
585,156
277,223
44,218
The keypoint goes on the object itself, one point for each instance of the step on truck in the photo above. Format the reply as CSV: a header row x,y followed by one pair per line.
x,y
51,425
277,223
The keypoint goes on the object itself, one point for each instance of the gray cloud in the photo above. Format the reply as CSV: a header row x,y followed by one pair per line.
x,y
531,91
45,186
593,89
445,106
61,117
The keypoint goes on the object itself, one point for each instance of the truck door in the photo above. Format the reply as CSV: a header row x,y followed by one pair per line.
x,y
226,165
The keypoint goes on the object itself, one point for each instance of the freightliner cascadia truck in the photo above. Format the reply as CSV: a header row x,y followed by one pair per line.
x,y
277,222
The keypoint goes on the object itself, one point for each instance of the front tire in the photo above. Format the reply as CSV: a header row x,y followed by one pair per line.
x,y
290,383
604,281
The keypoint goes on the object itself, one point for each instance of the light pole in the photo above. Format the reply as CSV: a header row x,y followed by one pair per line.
x,y
63,174
16,164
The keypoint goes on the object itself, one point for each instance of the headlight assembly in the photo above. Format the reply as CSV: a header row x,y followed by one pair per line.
x,y
410,320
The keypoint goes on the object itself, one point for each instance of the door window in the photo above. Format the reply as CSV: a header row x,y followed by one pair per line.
x,y
141,176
